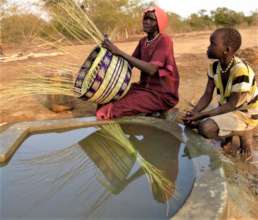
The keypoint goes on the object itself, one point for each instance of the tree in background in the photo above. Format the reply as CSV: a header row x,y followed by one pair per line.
x,y
18,26
21,28
118,18
227,17
200,20
252,19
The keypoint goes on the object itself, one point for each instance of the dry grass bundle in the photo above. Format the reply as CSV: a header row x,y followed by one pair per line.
x,y
74,20
161,186
36,84
48,81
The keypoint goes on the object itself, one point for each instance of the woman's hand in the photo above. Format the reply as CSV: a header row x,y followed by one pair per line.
x,y
111,47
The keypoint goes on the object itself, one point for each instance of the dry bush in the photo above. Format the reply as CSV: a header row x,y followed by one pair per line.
x,y
21,28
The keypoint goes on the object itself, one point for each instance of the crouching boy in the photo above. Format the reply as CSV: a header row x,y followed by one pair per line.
x,y
233,80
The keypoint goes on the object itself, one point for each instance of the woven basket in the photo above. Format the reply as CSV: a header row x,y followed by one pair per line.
x,y
103,77
114,162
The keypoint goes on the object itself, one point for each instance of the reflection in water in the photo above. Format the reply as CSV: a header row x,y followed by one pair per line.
x,y
107,163
112,134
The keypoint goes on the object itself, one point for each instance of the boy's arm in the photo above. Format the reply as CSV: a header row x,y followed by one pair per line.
x,y
203,102
233,103
206,97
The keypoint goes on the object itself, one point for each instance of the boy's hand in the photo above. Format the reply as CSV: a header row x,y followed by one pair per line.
x,y
191,117
111,47
194,116
186,116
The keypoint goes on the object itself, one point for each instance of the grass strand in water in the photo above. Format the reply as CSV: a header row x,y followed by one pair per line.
x,y
159,182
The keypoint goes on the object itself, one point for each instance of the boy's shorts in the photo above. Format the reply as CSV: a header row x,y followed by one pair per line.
x,y
234,121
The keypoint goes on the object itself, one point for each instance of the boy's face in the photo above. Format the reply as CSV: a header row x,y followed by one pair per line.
x,y
150,24
216,49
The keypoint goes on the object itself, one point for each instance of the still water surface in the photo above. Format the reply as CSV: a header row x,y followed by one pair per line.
x,y
79,174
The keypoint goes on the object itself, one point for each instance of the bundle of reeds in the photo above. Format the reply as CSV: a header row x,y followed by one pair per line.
x,y
69,16
72,18
114,162
161,186
34,83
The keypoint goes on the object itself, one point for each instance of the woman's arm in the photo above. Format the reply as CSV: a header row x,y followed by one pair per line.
x,y
140,64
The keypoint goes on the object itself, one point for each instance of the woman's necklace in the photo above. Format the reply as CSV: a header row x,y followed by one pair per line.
x,y
228,66
148,42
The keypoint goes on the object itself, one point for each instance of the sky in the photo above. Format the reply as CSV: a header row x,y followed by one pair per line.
x,y
185,8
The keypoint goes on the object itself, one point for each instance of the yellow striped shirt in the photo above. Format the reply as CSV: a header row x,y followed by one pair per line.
x,y
241,79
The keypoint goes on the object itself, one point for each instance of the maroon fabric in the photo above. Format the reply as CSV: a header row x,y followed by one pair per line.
x,y
154,93
137,100
160,52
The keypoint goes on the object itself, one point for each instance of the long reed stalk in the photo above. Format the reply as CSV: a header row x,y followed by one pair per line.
x,y
77,23
36,84
78,19
157,178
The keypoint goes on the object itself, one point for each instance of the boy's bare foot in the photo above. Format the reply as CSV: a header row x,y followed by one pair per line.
x,y
231,145
246,145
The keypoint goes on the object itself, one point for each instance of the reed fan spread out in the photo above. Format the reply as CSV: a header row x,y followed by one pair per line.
x,y
102,78
33,83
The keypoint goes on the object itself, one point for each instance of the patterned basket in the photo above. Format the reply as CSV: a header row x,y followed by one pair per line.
x,y
112,160
103,77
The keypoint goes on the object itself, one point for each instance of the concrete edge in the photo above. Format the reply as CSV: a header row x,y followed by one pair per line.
x,y
211,185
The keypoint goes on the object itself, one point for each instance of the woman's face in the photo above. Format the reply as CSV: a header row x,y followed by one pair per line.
x,y
150,24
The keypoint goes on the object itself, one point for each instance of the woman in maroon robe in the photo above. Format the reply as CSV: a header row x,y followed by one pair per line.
x,y
158,87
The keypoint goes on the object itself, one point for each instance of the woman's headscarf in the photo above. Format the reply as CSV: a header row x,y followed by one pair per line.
x,y
162,18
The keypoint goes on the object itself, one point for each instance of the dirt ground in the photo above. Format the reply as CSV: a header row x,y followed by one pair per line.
x,y
190,53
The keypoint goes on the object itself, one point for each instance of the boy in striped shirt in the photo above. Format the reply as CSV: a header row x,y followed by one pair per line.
x,y
236,115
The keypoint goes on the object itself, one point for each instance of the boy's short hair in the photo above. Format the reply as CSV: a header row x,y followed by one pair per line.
x,y
231,37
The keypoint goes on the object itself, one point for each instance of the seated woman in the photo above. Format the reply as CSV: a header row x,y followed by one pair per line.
x,y
159,81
